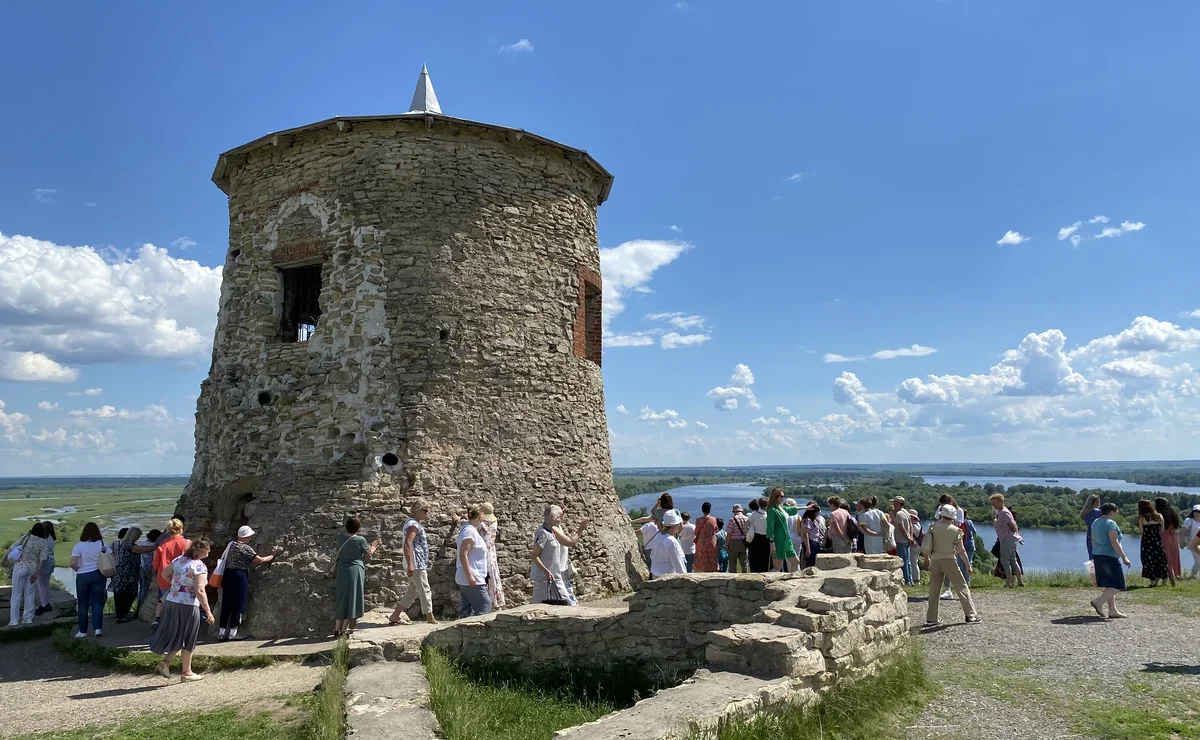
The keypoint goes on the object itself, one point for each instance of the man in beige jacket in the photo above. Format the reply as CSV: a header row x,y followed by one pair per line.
x,y
943,542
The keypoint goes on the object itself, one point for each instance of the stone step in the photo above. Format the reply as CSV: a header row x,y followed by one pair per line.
x,y
763,650
703,700
389,700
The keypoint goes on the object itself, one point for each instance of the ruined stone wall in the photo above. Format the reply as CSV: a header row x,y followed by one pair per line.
x,y
450,261
818,626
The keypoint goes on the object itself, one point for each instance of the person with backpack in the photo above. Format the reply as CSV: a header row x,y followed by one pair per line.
x,y
737,528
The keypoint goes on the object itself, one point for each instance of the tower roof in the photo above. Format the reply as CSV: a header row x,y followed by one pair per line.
x,y
424,98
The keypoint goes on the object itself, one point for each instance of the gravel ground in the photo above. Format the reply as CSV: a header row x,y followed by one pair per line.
x,y
42,690
1040,656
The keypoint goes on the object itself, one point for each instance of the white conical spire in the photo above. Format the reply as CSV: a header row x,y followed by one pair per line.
x,y
424,98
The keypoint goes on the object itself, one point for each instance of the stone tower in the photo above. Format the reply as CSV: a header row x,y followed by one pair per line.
x,y
410,307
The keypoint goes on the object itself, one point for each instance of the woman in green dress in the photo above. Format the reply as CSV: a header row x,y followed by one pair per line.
x,y
779,534
352,549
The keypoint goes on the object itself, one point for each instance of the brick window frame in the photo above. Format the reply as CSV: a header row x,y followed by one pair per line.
x,y
587,341
300,268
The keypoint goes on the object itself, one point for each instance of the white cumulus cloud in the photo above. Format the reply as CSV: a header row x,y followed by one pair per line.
x,y
12,426
1124,228
1066,231
47,405
782,411
672,340
649,414
626,269
1098,220
73,304
621,409
681,424
916,350
33,367
832,357
519,47
769,421
740,383
1011,238
701,425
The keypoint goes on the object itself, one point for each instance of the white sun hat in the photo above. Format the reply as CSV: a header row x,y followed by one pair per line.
x,y
244,531
671,517
947,511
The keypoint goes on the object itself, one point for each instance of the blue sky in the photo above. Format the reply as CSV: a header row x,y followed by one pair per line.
x,y
797,181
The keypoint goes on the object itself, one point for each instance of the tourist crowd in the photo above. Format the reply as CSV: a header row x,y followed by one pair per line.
x,y
769,534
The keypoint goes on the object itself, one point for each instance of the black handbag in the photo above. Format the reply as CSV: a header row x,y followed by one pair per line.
x,y
996,549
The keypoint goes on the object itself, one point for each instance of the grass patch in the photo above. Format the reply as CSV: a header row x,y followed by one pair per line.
x,y
468,710
142,661
327,720
222,724
878,706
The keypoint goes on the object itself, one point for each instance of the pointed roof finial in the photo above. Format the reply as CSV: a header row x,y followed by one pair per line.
x,y
424,98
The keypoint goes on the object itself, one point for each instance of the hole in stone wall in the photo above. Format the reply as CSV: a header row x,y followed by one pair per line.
x,y
235,254
444,334
264,399
301,302
389,459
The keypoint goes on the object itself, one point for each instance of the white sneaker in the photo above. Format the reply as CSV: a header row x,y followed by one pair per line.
x,y
946,596
99,633
80,635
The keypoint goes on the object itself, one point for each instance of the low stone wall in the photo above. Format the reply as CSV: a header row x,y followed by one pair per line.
x,y
823,624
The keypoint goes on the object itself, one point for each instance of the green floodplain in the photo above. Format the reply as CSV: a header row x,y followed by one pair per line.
x,y
72,502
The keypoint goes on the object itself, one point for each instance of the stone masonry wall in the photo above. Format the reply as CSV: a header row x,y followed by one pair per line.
x,y
819,626
451,259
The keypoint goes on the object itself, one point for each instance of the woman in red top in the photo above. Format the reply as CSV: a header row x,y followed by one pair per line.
x,y
174,545
706,541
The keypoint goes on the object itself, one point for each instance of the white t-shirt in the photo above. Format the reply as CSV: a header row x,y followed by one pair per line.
x,y
1188,532
476,558
687,539
666,556
648,530
793,525
758,521
88,554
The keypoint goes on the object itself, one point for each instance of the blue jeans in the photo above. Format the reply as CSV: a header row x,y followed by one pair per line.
x,y
690,562
234,588
475,601
962,566
904,552
91,592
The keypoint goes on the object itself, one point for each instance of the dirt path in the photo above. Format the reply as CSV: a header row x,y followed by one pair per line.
x,y
1043,665
42,690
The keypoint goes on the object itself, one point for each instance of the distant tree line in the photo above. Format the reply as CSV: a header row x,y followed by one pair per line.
x,y
1043,507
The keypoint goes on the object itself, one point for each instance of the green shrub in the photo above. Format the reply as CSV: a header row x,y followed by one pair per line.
x,y
328,718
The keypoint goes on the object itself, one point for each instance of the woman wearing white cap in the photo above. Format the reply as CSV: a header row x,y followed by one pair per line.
x,y
235,585
943,544
666,554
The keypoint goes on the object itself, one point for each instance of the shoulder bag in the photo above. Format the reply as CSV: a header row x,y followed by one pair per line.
x,y
105,562
218,574
14,552
334,563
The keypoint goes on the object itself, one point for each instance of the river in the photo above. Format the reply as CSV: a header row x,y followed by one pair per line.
x,y
1044,549
1077,484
